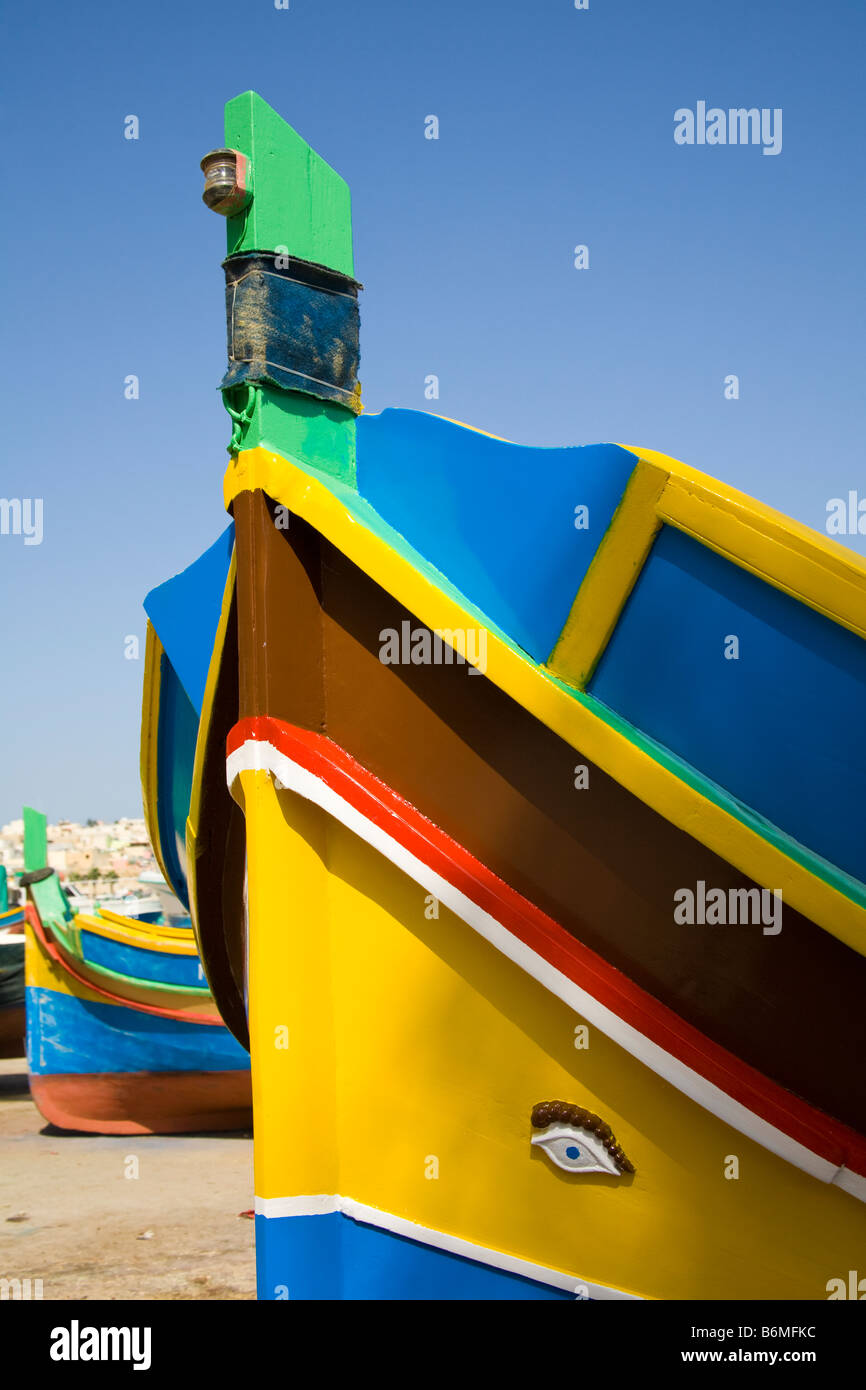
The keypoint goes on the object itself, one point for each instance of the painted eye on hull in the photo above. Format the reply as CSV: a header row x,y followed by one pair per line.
x,y
575,1150
576,1140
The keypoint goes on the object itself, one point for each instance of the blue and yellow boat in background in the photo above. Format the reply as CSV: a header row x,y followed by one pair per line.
x,y
122,1033
524,841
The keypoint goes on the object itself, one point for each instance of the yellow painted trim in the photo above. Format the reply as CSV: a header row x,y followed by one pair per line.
x,y
538,692
475,430
192,1002
807,564
291,1015
193,819
150,929
610,577
814,574
149,751
797,537
41,972
534,688
163,940
814,569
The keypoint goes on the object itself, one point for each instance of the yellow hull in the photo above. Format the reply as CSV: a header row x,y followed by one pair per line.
x,y
397,1055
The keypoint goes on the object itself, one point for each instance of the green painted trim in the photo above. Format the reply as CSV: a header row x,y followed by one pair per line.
x,y
35,840
68,936
51,903
319,434
821,868
48,895
299,203
298,200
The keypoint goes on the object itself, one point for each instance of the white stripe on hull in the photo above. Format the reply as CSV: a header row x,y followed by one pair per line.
x,y
257,755
325,1205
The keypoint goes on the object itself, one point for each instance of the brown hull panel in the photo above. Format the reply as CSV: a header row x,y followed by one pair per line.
x,y
599,861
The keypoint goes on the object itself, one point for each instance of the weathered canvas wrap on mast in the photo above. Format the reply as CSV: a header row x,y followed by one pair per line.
x,y
294,326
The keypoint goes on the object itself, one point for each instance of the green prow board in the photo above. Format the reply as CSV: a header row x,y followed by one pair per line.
x,y
300,207
47,894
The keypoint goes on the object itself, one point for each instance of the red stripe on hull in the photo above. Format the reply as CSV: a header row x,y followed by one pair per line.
x,y
62,960
384,808
146,1102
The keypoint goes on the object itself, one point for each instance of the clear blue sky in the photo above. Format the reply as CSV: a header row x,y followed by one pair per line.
x,y
556,128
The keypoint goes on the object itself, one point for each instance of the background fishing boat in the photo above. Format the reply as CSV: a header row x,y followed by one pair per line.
x,y
122,1033
11,974
521,896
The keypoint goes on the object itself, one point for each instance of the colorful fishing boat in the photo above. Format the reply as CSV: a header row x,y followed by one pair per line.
x,y
525,843
123,1036
11,973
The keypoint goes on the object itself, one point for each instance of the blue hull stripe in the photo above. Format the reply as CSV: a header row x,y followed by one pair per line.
x,y
70,1037
141,963
336,1257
